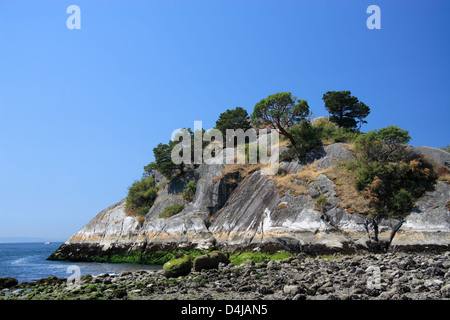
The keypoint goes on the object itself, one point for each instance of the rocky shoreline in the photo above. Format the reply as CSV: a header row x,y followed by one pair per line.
x,y
387,276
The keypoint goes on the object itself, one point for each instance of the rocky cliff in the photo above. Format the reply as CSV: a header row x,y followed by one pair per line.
x,y
238,208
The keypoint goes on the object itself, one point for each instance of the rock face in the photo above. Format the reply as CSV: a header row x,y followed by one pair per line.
x,y
246,212
437,156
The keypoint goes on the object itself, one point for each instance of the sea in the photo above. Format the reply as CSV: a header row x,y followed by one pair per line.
x,y
27,262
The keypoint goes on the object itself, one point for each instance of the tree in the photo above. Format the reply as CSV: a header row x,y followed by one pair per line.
x,y
345,110
233,119
163,159
361,112
141,195
384,145
189,191
279,111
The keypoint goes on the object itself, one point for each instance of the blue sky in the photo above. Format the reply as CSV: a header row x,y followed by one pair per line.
x,y
81,110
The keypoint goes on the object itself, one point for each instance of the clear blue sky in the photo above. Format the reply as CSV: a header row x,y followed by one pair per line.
x,y
81,110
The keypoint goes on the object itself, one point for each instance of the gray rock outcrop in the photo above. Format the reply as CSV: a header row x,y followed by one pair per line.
x,y
233,212
437,156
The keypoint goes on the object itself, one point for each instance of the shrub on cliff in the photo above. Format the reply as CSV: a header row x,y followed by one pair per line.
x,y
189,191
393,187
141,195
172,210
446,148
383,145
321,203
386,174
329,132
309,136
306,138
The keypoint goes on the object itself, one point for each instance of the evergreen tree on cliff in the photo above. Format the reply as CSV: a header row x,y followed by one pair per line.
x,y
279,111
233,119
345,110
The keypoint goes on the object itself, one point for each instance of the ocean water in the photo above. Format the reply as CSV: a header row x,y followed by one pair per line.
x,y
27,262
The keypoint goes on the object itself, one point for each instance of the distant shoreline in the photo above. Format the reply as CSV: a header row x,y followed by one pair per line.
x,y
31,241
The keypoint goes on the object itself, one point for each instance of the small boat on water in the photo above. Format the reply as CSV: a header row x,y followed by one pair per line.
x,y
47,243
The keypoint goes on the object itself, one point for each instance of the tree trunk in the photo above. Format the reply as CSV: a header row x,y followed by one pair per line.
x,y
286,134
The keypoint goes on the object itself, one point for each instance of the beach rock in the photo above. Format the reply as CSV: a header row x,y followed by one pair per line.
x,y
179,266
416,276
119,294
445,291
7,282
17,292
210,261
292,290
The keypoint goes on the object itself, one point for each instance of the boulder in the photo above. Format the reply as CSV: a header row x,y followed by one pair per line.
x,y
8,282
210,261
292,290
179,266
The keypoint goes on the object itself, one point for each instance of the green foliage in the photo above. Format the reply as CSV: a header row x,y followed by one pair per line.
x,y
141,195
446,148
172,210
163,158
280,111
179,266
189,191
386,174
321,203
345,110
393,187
160,257
306,138
383,145
330,132
239,258
163,161
136,256
233,119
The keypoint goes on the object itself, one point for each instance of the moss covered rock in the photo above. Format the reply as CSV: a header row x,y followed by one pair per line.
x,y
179,266
210,261
8,282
